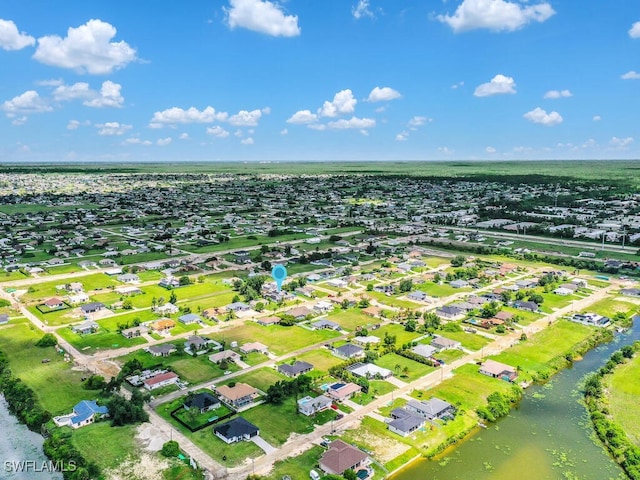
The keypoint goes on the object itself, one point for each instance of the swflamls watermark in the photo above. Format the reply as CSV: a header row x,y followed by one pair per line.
x,y
36,466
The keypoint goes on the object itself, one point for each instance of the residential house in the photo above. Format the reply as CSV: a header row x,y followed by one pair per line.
x,y
295,369
163,350
167,309
592,319
91,307
323,307
349,351
210,314
432,409
418,296
169,282
203,401
272,320
129,278
78,298
324,323
368,340
85,328
299,313
494,369
449,312
254,347
404,422
237,396
134,332
369,371
562,291
236,430
84,413
425,351
526,305
195,343
459,283
310,406
127,290
341,456
527,283
343,391
54,303
227,355
237,307
442,343
630,292
162,325
4,319
160,380
372,311
189,319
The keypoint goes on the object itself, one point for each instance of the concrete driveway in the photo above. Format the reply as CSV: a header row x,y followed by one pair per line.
x,y
262,443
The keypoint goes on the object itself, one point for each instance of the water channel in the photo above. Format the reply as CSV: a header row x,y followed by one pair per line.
x,y
549,436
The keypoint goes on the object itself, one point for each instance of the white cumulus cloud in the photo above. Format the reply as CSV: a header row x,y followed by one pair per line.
x,y
353,122
112,128
261,16
25,104
383,94
136,141
245,118
496,15
11,38
621,142
631,75
343,102
86,49
302,117
490,150
176,115
217,131
596,118
558,94
541,117
402,137
362,9
634,31
163,142
247,141
499,85
109,96
418,121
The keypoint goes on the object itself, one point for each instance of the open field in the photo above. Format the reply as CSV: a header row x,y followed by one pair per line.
x,y
297,467
402,336
57,386
414,371
624,391
102,339
105,445
351,319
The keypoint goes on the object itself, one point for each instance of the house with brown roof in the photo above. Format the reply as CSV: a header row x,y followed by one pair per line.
x,y
162,325
228,355
494,369
343,391
160,380
254,347
54,303
341,456
371,311
272,320
237,396
299,313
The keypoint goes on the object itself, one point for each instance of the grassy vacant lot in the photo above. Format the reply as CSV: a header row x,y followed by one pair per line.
x,y
436,290
321,359
192,369
57,387
610,306
261,379
467,388
392,301
44,290
624,391
297,467
103,444
376,389
277,422
537,353
402,336
100,340
351,318
279,339
472,341
416,370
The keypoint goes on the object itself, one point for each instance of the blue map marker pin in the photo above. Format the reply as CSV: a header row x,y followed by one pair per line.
x,y
279,273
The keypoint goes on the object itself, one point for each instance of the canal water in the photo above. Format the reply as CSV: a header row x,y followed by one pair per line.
x,y
548,437
21,455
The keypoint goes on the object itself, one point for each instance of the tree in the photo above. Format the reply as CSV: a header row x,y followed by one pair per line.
x,y
170,449
410,325
94,382
350,475
458,261
536,298
47,340
406,285
127,304
185,280
173,298
431,320
369,287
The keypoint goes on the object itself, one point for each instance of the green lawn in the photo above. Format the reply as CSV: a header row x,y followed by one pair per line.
x,y
321,359
299,466
436,290
612,305
45,290
103,444
539,352
278,422
416,370
351,318
279,339
624,391
261,379
392,301
377,388
102,339
449,356
471,341
402,336
56,385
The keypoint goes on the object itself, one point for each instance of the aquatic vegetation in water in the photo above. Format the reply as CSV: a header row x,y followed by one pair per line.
x,y
444,461
488,467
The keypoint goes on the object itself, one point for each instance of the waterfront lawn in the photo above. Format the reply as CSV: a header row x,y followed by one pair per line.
x,y
278,422
416,370
624,391
612,305
56,385
100,340
299,466
350,319
542,352
279,339
467,388
103,444
402,336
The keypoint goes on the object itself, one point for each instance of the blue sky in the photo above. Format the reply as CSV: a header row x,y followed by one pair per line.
x,y
253,80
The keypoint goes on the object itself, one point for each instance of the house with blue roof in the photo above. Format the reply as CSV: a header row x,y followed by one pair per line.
x,y
84,413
